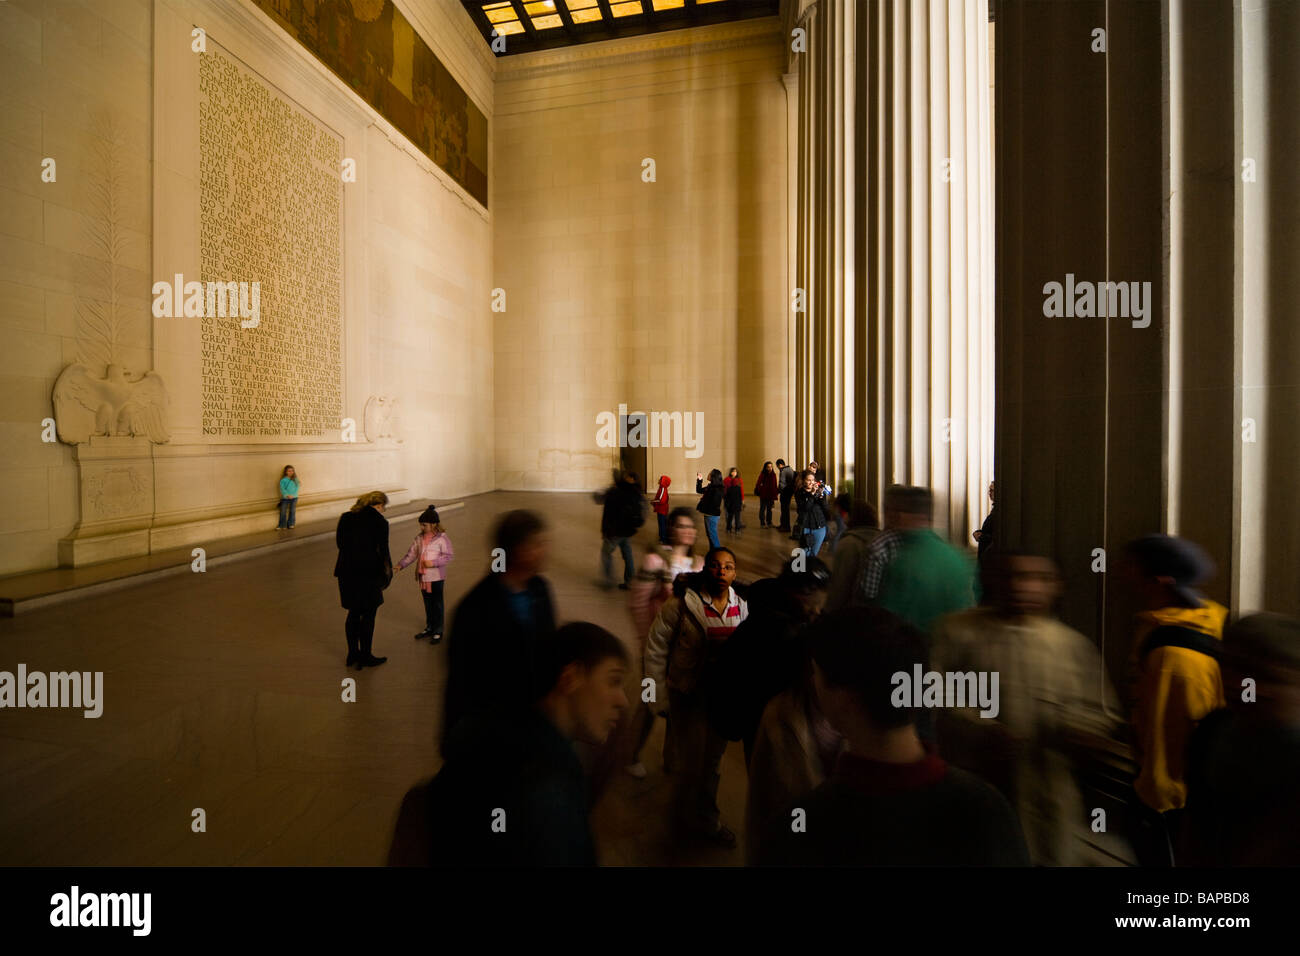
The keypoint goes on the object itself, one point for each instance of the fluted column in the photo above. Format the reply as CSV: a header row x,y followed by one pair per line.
x,y
925,280
823,125
1166,158
1267,546
1080,421
895,233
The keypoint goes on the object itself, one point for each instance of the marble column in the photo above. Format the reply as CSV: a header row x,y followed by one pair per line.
x,y
809,69
1080,416
895,239
1126,164
1266,569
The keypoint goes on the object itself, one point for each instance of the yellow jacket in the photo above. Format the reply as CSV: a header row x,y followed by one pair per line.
x,y
1176,688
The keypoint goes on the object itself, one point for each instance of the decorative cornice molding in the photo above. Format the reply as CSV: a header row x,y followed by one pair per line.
x,y
693,40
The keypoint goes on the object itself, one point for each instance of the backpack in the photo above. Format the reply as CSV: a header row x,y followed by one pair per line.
x,y
634,509
1173,635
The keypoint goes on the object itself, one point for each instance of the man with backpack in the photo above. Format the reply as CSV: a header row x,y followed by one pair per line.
x,y
1176,647
625,512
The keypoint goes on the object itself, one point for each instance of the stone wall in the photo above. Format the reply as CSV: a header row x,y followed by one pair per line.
x,y
671,295
111,92
78,89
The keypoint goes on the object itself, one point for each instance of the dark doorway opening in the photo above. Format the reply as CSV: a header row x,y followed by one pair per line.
x,y
634,458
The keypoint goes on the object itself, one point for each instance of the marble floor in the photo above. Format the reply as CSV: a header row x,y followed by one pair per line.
x,y
222,692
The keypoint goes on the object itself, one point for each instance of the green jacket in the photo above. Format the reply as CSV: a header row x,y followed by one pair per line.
x,y
927,579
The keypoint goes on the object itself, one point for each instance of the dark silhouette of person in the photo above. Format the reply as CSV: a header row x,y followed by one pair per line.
x,y
513,791
1243,766
495,628
986,536
890,801
364,568
766,655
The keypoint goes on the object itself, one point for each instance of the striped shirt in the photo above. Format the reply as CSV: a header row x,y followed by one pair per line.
x,y
721,626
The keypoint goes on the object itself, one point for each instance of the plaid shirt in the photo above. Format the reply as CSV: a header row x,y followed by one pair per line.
x,y
881,551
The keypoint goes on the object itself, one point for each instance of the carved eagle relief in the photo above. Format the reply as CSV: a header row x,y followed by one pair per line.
x,y
381,419
85,405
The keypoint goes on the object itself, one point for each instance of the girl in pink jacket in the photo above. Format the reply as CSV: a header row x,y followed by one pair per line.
x,y
432,548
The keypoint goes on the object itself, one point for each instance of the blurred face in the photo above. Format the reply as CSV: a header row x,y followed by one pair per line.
x,y
809,481
1150,592
684,532
290,473
1030,585
908,520
530,557
811,603
721,570
990,492
596,698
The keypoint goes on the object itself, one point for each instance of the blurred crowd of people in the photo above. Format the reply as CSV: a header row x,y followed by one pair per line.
x,y
1198,765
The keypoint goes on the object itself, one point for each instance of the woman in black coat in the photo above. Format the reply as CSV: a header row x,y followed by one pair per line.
x,y
710,504
364,568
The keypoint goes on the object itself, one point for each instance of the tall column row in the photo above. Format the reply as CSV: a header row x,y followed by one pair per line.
x,y
1143,167
894,353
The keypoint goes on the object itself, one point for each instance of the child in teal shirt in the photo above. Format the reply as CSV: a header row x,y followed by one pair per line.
x,y
288,497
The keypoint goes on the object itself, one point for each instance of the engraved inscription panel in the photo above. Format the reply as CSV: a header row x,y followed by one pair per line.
x,y
271,211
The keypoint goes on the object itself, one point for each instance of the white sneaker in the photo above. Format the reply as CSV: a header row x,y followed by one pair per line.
x,y
636,770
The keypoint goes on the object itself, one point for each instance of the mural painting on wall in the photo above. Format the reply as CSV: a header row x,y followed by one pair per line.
x,y
373,48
